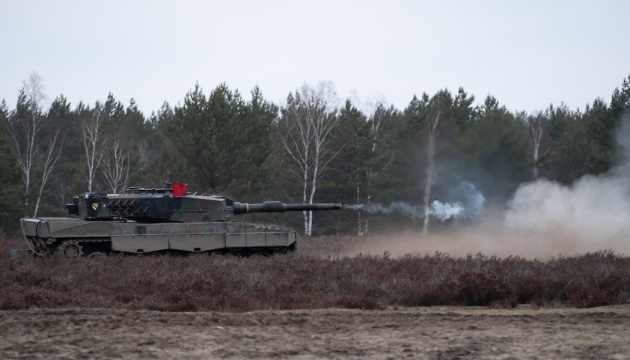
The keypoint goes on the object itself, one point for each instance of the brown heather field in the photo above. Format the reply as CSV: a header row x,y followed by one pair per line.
x,y
312,278
330,299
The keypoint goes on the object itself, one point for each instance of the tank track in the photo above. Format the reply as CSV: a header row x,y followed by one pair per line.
x,y
77,247
71,247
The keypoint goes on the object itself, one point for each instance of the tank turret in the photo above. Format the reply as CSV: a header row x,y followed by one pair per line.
x,y
173,204
168,219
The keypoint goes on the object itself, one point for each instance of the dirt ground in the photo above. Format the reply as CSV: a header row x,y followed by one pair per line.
x,y
431,333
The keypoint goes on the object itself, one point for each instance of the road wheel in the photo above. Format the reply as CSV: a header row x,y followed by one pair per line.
x,y
70,248
97,255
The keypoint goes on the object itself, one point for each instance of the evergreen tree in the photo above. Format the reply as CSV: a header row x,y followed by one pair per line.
x,y
581,141
114,109
255,169
463,112
619,110
561,118
227,139
601,127
346,179
496,151
134,123
223,140
572,152
388,158
170,165
190,133
64,182
383,178
11,189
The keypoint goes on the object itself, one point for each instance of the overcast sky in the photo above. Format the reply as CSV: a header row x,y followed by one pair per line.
x,y
527,54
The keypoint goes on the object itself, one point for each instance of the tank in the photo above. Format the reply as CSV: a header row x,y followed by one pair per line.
x,y
169,219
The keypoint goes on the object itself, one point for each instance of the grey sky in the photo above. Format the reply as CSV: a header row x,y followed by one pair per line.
x,y
527,54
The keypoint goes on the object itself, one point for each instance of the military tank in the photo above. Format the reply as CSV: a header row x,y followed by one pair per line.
x,y
169,219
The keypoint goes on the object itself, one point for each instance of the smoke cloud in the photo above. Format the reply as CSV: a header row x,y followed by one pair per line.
x,y
469,206
542,219
593,208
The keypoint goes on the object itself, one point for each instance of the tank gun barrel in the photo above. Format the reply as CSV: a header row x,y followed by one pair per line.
x,y
277,206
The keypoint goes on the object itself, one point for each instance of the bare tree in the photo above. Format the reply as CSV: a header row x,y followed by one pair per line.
x,y
92,131
432,126
27,128
49,161
305,126
377,113
538,127
146,155
115,166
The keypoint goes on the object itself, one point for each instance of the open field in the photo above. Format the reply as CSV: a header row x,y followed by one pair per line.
x,y
329,300
423,332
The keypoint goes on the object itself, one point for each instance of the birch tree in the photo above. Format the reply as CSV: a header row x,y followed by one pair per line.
x,y
377,117
305,126
92,132
432,124
37,147
429,117
146,155
50,157
115,166
538,131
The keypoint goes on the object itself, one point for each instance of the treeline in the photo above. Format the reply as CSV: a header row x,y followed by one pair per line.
x,y
312,148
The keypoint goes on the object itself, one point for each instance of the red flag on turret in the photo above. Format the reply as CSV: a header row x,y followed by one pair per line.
x,y
179,189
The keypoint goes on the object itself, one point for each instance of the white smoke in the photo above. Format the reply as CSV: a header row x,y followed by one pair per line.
x,y
543,218
445,211
470,205
471,198
593,208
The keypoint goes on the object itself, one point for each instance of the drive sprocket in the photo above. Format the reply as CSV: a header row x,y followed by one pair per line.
x,y
70,249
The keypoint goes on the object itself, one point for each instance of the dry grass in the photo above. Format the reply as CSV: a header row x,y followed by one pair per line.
x,y
307,280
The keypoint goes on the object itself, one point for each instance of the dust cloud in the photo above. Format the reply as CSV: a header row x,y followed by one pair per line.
x,y
542,219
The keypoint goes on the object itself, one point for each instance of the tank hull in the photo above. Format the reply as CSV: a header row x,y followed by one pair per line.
x,y
77,237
